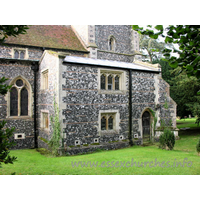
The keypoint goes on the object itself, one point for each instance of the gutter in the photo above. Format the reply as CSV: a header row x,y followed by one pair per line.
x,y
35,68
130,109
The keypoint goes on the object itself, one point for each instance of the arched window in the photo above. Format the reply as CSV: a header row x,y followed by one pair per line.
x,y
13,102
103,82
111,43
24,102
16,54
19,103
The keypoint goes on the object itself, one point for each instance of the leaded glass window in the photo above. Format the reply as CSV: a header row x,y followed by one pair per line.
x,y
19,98
103,123
16,54
19,83
24,102
13,102
116,82
22,55
110,82
45,120
103,82
19,54
110,123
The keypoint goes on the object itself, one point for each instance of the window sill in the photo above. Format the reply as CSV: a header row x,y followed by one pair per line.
x,y
109,132
19,117
112,92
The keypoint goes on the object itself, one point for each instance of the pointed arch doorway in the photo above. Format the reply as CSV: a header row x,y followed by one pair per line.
x,y
146,126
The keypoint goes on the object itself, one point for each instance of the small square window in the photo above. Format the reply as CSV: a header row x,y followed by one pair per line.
x,y
111,81
45,79
20,53
45,120
108,121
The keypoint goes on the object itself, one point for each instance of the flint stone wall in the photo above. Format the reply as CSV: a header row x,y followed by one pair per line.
x,y
22,124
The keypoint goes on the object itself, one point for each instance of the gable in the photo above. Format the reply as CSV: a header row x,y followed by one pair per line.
x,y
49,36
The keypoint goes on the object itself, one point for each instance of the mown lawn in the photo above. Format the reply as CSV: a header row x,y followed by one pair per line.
x,y
114,162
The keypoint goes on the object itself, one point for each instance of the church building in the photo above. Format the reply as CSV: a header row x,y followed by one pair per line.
x,y
106,97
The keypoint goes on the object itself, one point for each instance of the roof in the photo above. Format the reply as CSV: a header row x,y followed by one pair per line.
x,y
109,63
49,36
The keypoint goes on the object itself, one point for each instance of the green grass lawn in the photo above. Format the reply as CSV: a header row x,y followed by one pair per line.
x,y
182,123
30,161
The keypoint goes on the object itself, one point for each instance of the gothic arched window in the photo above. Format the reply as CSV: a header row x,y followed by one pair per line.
x,y
19,98
111,43
13,102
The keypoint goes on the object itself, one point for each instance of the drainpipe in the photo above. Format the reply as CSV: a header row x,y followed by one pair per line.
x,y
35,69
130,109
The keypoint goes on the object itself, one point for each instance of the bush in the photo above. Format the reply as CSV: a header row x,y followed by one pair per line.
x,y
167,139
198,146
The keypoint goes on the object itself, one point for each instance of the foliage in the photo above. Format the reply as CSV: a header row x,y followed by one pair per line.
x,y
167,139
155,119
11,30
5,133
187,37
152,47
4,87
5,144
184,92
54,142
198,146
166,70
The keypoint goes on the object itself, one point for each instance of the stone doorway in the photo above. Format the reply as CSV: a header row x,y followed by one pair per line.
x,y
146,126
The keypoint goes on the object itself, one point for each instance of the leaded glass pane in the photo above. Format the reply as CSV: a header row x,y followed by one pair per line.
x,y
103,82
22,55
117,83
13,102
19,83
24,102
16,54
109,82
103,123
110,123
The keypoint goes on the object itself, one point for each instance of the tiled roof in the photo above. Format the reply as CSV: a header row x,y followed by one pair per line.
x,y
51,36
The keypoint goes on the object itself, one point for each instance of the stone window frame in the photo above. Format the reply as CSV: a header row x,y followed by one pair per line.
x,y
30,98
107,72
42,120
44,79
19,49
116,119
111,43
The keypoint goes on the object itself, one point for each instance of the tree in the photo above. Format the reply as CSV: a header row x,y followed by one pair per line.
x,y
6,133
11,30
166,70
184,90
152,47
188,39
